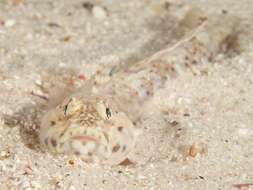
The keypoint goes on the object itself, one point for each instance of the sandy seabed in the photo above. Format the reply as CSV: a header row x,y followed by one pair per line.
x,y
197,131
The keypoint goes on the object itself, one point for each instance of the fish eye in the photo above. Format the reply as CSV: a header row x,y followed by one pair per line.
x,y
108,113
65,107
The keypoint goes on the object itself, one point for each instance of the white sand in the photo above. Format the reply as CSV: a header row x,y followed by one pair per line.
x,y
213,112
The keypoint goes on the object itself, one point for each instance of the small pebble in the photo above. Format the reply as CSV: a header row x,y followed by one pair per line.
x,y
99,12
53,25
5,154
36,185
9,23
71,162
28,170
192,151
81,77
245,132
66,39
197,148
38,82
16,2
72,188
25,185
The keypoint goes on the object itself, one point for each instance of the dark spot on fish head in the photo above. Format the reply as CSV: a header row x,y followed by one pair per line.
x,y
77,153
90,154
120,129
116,148
54,142
52,123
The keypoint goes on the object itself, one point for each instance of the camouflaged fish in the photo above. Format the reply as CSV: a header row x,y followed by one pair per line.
x,y
99,126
